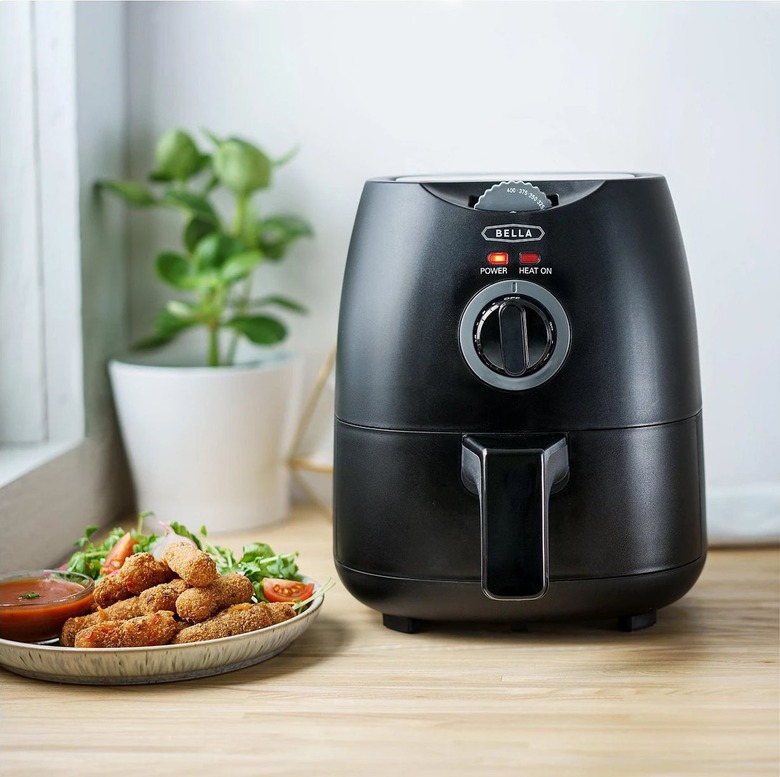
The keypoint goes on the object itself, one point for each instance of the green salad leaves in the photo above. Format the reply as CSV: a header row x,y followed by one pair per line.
x,y
257,560
89,557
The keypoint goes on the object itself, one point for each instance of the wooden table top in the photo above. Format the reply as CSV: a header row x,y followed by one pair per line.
x,y
695,695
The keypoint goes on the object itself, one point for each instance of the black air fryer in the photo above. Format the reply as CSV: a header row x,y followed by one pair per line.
x,y
518,410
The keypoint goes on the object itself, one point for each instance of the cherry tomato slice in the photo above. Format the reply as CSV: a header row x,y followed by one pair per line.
x,y
117,555
276,590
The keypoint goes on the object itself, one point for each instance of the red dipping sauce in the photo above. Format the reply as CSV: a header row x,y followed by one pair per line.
x,y
35,604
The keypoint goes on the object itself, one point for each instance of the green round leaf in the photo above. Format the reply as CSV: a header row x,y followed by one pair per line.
x,y
207,250
195,230
194,204
275,234
240,265
262,330
242,167
158,177
214,249
131,192
279,301
179,309
167,326
177,156
174,269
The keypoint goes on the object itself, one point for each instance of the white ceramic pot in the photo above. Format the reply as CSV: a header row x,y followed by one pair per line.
x,y
207,446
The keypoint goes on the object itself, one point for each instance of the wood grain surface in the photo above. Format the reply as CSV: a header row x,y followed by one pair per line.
x,y
695,695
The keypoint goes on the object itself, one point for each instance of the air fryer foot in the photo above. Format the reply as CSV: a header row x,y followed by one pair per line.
x,y
637,622
404,625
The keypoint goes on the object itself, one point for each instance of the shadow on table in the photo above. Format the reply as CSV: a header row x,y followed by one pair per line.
x,y
678,619
677,636
327,636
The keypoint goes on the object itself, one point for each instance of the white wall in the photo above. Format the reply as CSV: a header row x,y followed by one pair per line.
x,y
688,90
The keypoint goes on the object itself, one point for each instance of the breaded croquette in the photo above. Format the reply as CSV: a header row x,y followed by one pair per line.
x,y
197,604
120,611
109,590
159,597
238,619
155,629
163,596
190,564
139,572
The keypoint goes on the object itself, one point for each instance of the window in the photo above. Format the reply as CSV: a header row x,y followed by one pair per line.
x,y
62,275
41,387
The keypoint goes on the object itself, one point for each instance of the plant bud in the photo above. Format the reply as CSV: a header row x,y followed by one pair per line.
x,y
177,156
242,167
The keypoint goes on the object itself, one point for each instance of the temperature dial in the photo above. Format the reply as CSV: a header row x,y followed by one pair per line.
x,y
514,336
513,197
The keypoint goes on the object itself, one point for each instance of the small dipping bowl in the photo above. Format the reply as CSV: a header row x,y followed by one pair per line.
x,y
27,617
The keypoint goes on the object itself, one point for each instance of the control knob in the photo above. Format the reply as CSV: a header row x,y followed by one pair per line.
x,y
514,336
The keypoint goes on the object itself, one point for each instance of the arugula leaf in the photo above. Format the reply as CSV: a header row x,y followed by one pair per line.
x,y
183,531
88,532
90,557
142,541
255,550
223,557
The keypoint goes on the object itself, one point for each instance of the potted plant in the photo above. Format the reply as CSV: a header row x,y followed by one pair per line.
x,y
206,437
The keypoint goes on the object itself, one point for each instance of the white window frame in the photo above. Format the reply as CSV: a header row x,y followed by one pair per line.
x,y
62,274
41,382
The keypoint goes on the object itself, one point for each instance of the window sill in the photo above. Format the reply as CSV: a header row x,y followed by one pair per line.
x,y
20,459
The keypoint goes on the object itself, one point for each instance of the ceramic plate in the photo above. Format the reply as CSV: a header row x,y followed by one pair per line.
x,y
159,664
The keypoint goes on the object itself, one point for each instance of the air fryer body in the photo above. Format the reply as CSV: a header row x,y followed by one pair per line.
x,y
466,493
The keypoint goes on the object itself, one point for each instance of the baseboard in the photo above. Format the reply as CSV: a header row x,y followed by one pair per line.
x,y
744,515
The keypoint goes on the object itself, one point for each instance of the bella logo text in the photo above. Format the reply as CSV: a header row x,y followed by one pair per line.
x,y
513,233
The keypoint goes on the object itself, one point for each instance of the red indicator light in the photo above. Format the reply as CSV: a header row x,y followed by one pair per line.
x,y
530,258
498,257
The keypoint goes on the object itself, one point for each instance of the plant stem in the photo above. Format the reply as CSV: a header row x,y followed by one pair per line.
x,y
240,217
239,228
241,306
213,344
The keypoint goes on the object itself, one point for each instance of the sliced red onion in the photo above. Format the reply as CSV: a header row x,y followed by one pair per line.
x,y
157,548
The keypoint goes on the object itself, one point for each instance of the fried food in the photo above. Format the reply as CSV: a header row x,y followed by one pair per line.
x,y
120,611
109,590
237,619
162,597
159,597
197,604
190,564
139,572
155,629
